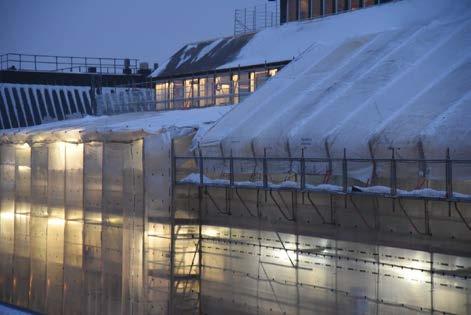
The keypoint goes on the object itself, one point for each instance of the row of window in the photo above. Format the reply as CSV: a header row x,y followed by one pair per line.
x,y
201,91
305,9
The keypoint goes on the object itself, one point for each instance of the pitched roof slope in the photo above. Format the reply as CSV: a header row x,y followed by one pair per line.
x,y
402,67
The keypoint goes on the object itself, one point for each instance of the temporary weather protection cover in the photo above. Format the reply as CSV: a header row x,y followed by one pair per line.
x,y
394,76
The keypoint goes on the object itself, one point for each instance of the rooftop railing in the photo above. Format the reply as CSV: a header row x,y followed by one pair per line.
x,y
256,18
74,64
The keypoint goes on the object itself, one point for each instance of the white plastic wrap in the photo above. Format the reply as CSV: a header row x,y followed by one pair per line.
x,y
364,95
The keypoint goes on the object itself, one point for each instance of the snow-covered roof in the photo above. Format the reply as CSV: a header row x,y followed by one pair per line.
x,y
271,45
124,127
397,75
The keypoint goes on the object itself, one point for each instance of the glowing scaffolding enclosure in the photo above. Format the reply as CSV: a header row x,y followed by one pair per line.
x,y
79,233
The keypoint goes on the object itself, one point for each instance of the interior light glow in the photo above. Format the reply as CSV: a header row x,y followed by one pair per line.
x,y
7,215
56,221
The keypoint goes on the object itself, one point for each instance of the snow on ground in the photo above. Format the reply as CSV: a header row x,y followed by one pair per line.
x,y
371,80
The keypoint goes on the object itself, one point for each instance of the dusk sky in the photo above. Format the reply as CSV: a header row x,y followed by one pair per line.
x,y
150,30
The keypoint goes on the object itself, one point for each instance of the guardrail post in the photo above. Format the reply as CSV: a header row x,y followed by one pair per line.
x,y
57,64
303,170
20,61
265,169
35,65
344,171
71,64
393,175
174,163
254,26
245,20
449,175
266,14
231,170
201,167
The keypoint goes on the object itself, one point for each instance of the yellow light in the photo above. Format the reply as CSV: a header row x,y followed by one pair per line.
x,y
414,273
56,221
7,215
23,168
272,72
211,231
24,146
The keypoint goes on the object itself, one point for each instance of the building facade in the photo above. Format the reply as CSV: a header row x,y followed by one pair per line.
x,y
293,10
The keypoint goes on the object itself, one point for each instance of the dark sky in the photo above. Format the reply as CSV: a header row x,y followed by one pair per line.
x,y
146,29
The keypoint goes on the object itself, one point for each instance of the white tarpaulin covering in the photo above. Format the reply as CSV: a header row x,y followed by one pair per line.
x,y
76,197
395,76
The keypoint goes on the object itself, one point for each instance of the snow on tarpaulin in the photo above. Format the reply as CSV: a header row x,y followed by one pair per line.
x,y
124,127
283,43
354,87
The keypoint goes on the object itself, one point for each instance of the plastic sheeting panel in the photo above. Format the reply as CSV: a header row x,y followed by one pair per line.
x,y
249,271
39,183
92,181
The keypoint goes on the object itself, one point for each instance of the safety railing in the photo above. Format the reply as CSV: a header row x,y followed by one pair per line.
x,y
138,100
428,179
13,61
253,19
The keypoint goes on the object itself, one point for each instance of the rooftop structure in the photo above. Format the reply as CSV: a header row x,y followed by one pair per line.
x,y
35,89
351,90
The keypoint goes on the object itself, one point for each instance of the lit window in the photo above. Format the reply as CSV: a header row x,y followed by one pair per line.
x,y
202,92
235,88
223,89
272,72
252,82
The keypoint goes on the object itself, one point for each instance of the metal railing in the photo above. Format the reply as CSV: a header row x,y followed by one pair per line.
x,y
428,179
144,100
253,19
13,61
249,20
